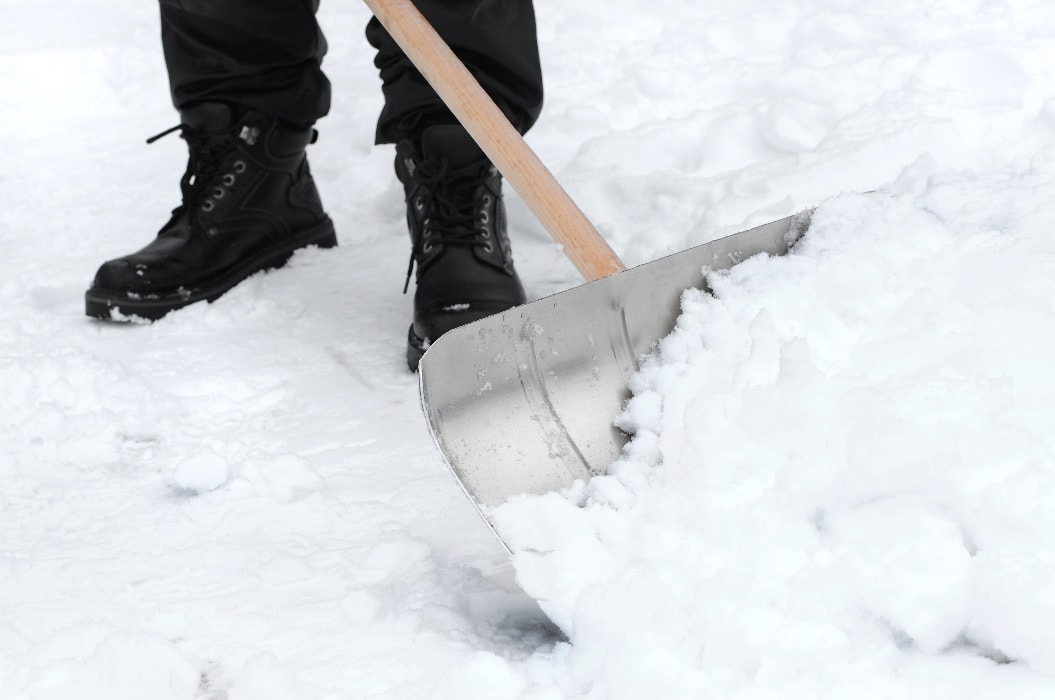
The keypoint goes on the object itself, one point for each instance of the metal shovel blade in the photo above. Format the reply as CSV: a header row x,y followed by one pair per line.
x,y
524,401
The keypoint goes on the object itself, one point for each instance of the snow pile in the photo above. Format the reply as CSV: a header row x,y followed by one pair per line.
x,y
842,480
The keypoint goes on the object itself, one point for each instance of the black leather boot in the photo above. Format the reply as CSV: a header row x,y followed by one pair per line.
x,y
249,201
458,230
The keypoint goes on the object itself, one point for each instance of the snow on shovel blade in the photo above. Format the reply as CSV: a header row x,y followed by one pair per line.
x,y
524,401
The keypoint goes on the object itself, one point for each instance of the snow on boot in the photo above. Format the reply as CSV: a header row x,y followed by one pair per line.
x,y
458,230
249,201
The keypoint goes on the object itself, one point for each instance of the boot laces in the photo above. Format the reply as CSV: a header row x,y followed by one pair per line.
x,y
449,207
208,151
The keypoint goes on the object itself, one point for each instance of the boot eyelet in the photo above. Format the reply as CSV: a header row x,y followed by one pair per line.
x,y
239,166
485,233
207,205
228,179
488,248
219,192
427,248
419,203
485,217
487,200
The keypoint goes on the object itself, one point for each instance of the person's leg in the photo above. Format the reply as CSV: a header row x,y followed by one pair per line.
x,y
246,78
453,193
264,55
496,39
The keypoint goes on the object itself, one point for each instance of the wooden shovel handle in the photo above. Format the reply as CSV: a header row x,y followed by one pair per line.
x,y
502,143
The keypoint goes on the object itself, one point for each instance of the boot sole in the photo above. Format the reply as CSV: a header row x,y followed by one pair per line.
x,y
114,305
416,347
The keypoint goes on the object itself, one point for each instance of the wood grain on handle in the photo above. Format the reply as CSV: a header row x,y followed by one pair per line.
x,y
502,143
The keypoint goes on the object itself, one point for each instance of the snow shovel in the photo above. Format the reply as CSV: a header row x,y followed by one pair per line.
x,y
524,401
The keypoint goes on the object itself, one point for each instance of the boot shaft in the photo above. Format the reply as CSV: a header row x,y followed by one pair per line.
x,y
240,163
454,199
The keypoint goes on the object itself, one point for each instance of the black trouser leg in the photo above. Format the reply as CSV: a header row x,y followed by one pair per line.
x,y
496,39
261,54
267,55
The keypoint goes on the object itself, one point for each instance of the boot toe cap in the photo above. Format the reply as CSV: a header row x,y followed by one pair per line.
x,y
430,322
120,274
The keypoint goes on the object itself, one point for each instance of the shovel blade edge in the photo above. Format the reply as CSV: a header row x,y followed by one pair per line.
x,y
524,401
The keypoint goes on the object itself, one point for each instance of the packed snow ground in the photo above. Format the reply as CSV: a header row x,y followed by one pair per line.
x,y
843,479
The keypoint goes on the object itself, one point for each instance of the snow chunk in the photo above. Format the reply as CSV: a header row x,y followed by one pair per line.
x,y
121,667
201,472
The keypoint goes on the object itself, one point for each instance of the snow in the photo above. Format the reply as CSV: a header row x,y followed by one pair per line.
x,y
842,480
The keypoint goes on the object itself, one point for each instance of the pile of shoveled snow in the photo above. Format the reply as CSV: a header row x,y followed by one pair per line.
x,y
841,481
